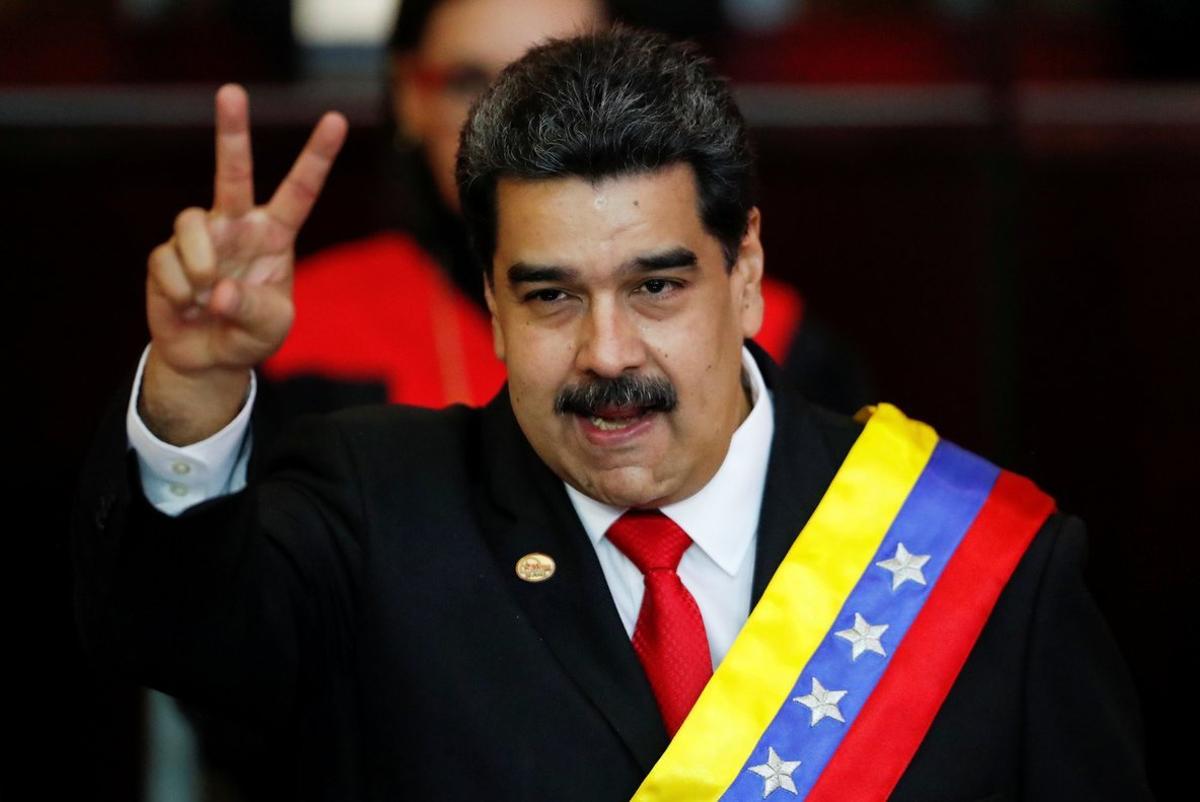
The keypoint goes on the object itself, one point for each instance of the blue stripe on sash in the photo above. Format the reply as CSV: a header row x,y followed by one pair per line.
x,y
933,520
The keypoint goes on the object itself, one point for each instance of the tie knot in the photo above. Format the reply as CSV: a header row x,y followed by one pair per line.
x,y
650,539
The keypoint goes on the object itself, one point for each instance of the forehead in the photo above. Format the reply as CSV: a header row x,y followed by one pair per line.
x,y
492,33
577,222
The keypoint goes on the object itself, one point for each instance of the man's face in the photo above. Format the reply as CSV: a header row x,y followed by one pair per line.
x,y
465,45
620,280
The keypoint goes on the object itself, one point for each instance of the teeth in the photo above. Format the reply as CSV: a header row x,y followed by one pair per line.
x,y
610,425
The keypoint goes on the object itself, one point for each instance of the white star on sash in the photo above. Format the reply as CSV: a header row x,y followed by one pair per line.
x,y
823,703
864,637
776,773
905,566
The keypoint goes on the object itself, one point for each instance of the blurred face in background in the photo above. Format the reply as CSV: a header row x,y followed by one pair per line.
x,y
464,46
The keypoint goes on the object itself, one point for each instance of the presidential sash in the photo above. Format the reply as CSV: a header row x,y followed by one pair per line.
x,y
844,662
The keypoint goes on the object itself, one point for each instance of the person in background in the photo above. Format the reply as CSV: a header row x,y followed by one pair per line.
x,y
400,315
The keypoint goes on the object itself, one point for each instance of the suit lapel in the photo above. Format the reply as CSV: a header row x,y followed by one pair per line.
x,y
573,611
807,450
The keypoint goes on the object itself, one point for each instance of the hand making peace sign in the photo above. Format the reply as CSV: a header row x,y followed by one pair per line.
x,y
219,292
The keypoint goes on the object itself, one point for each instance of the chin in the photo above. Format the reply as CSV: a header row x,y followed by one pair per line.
x,y
626,487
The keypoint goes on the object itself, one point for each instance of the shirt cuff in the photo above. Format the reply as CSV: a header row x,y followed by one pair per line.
x,y
175,478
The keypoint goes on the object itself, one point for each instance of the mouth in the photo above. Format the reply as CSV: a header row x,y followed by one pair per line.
x,y
614,419
614,412
610,425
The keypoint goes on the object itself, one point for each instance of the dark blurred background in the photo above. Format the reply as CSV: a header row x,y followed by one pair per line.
x,y
994,202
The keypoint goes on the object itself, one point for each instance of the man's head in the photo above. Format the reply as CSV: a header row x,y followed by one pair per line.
x,y
445,52
606,183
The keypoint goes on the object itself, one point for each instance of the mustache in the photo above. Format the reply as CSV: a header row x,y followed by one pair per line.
x,y
652,394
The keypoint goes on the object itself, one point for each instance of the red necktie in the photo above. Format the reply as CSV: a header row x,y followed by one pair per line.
x,y
669,637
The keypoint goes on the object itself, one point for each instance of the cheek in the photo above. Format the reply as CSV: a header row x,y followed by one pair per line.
x,y
693,346
444,148
699,360
441,150
539,362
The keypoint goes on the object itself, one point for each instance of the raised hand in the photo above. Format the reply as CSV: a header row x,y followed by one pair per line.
x,y
218,293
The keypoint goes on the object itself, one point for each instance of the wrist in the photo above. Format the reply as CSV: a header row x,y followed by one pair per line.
x,y
182,407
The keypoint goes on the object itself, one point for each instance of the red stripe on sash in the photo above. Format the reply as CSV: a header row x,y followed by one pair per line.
x,y
885,736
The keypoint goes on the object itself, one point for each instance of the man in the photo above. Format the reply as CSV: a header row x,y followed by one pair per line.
x,y
528,601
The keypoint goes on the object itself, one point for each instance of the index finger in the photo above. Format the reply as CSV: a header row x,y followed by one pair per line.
x,y
294,198
233,186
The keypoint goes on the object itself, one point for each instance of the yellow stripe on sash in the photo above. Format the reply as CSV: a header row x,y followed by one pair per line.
x,y
796,611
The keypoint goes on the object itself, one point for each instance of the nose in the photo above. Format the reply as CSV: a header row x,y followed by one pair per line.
x,y
610,340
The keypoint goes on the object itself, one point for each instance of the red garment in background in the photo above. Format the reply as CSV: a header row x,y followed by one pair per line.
x,y
381,309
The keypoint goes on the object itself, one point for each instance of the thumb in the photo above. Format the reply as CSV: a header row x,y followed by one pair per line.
x,y
264,312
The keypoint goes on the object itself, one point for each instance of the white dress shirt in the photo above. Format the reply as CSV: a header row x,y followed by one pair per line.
x,y
721,519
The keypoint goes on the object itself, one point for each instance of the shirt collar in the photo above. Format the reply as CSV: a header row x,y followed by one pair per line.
x,y
722,517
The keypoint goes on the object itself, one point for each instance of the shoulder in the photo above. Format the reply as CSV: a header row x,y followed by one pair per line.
x,y
386,257
838,431
379,458
385,432
802,426
384,426
362,312
1061,544
1051,565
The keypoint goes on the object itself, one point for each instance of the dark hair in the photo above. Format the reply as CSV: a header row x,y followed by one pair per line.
x,y
606,104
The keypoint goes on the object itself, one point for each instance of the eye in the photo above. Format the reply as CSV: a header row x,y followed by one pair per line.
x,y
659,287
546,296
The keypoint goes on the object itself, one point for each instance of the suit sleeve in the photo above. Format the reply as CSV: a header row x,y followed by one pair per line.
x,y
1083,727
243,604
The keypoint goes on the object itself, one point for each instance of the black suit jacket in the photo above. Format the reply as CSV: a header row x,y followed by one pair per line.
x,y
360,599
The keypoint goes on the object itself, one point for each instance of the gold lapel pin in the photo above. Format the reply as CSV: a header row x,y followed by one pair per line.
x,y
535,567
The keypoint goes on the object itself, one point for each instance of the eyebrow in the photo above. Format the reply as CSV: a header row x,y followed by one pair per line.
x,y
675,257
525,273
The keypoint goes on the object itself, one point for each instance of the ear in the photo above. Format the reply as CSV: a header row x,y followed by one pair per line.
x,y
747,276
489,295
409,99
